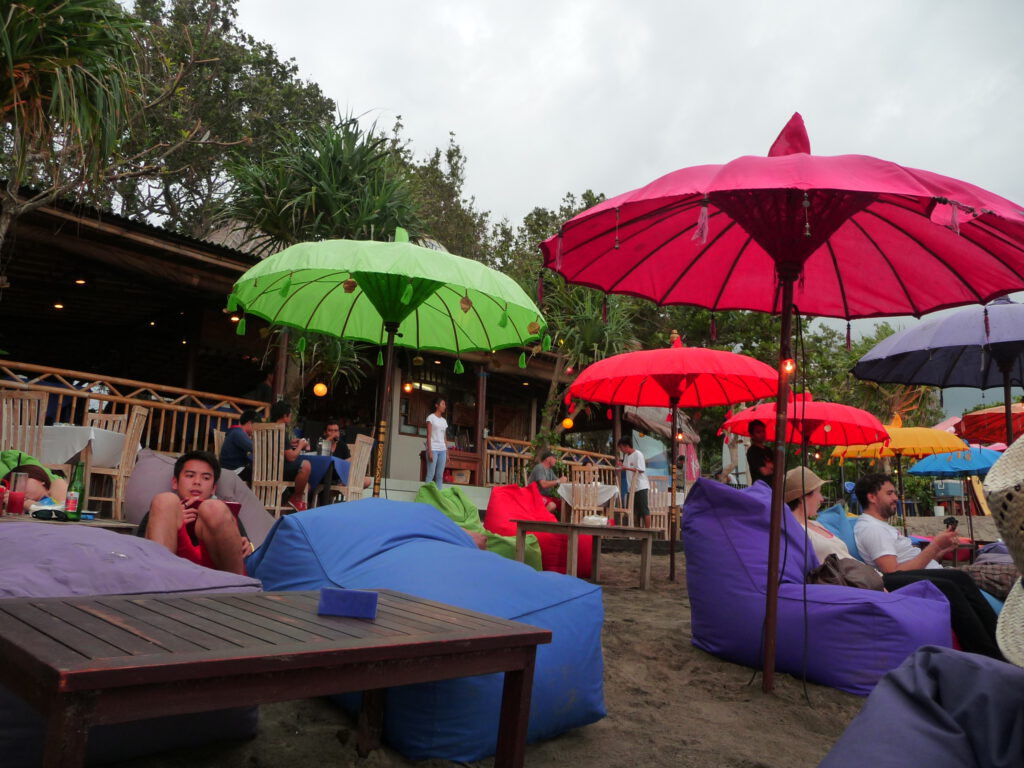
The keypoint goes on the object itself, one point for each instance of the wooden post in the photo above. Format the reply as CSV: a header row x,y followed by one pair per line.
x,y
280,365
481,423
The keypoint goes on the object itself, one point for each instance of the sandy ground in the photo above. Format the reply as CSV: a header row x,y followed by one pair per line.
x,y
668,704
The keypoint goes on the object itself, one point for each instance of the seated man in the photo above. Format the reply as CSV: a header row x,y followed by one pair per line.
x,y
296,470
547,482
901,563
336,439
236,453
191,523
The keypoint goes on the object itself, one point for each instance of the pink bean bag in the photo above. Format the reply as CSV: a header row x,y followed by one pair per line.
x,y
511,502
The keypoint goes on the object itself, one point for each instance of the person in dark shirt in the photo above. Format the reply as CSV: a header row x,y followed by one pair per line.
x,y
335,435
236,453
760,458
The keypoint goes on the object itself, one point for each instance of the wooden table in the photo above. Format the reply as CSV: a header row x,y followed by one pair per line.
x,y
89,661
120,526
598,532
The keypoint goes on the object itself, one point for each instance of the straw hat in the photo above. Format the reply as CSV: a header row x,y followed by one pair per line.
x,y
1004,491
799,482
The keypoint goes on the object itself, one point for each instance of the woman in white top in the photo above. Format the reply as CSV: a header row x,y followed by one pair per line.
x,y
802,492
437,445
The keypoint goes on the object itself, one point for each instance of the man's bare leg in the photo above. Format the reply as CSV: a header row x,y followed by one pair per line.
x,y
301,480
217,530
165,518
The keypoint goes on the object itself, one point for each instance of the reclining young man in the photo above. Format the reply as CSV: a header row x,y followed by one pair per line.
x,y
191,522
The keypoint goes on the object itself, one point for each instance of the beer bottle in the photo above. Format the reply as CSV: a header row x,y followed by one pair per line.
x,y
76,493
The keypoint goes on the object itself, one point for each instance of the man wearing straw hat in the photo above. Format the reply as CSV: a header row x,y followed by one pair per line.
x,y
952,709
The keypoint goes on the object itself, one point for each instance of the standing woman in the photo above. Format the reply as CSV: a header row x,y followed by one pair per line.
x,y
437,446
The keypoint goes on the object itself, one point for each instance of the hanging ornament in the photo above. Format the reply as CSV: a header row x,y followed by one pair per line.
x,y
407,293
522,359
380,357
533,328
466,303
350,285
458,366
503,320
545,343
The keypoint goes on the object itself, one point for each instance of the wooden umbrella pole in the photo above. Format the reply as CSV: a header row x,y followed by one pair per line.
x,y
1007,404
778,479
385,406
673,508
899,482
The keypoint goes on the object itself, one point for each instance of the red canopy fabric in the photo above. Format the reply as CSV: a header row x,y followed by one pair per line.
x,y
814,422
867,237
690,377
989,424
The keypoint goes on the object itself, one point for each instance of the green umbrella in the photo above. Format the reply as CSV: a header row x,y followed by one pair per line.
x,y
390,293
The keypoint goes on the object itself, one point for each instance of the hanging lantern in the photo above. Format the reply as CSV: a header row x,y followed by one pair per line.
x,y
349,285
319,389
466,303
418,359
533,328
567,422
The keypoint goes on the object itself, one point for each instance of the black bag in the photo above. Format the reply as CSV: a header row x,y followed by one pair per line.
x,y
846,572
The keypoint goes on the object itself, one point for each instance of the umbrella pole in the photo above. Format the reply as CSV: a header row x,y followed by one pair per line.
x,y
673,509
899,481
1008,405
778,478
385,406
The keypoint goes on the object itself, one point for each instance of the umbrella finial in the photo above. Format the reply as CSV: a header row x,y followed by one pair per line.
x,y
675,339
792,140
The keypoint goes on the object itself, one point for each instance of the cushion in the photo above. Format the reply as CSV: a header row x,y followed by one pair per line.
x,y
413,548
153,474
460,510
39,560
513,502
844,637
839,523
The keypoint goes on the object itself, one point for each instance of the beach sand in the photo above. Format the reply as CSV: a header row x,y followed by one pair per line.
x,y
669,704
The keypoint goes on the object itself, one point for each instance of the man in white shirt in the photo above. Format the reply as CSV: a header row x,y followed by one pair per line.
x,y
634,463
901,563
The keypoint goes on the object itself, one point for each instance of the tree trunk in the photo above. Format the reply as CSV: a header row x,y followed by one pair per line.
x,y
551,405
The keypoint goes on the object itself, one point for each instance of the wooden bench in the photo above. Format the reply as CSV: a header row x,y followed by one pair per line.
x,y
84,661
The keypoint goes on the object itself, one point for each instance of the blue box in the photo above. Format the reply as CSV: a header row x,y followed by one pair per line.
x,y
352,603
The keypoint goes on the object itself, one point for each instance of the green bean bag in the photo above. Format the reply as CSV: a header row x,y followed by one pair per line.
x,y
463,512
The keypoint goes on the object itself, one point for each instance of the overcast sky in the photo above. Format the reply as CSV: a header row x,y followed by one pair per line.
x,y
557,96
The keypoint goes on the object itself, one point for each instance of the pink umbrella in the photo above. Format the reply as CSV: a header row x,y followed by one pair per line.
x,y
847,236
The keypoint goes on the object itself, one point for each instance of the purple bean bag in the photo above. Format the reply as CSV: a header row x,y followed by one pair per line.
x,y
851,637
41,560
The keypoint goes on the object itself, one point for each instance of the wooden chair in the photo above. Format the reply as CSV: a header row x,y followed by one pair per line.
x,y
360,453
135,424
22,417
218,442
114,422
658,501
625,511
585,487
268,483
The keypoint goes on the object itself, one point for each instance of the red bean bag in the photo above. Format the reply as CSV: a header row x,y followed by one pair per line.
x,y
511,502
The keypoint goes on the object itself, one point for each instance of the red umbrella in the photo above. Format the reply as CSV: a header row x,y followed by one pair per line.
x,y
814,422
686,377
847,236
989,424
676,377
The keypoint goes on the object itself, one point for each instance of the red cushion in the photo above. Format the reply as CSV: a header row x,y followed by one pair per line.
x,y
511,502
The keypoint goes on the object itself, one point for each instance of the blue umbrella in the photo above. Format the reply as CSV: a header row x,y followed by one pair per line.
x,y
977,462
980,346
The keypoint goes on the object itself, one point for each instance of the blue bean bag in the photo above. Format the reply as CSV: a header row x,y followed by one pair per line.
x,y
852,636
414,548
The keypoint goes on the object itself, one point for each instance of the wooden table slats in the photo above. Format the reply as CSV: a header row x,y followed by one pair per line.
x,y
85,661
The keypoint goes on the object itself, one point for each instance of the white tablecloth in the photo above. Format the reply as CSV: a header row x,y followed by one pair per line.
x,y
61,443
605,493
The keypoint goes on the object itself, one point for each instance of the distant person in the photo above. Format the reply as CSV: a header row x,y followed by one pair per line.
x,y
437,442
634,463
337,440
264,391
191,523
760,458
236,453
296,469
547,481
902,563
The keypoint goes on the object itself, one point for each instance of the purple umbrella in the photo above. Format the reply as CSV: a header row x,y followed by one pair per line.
x,y
980,346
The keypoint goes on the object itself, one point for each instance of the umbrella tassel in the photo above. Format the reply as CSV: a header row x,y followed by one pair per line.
x,y
232,302
617,229
604,311
942,402
714,328
558,252
849,341
459,367
988,328
240,328
545,343
807,215
522,359
407,293
701,232
954,216
380,358
503,320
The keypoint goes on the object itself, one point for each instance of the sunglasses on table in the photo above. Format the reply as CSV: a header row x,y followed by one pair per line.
x,y
50,514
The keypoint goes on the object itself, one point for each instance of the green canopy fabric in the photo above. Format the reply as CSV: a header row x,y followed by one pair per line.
x,y
461,511
353,288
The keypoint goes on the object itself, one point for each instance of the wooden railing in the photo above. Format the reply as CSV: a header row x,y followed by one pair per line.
x,y
509,461
179,419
